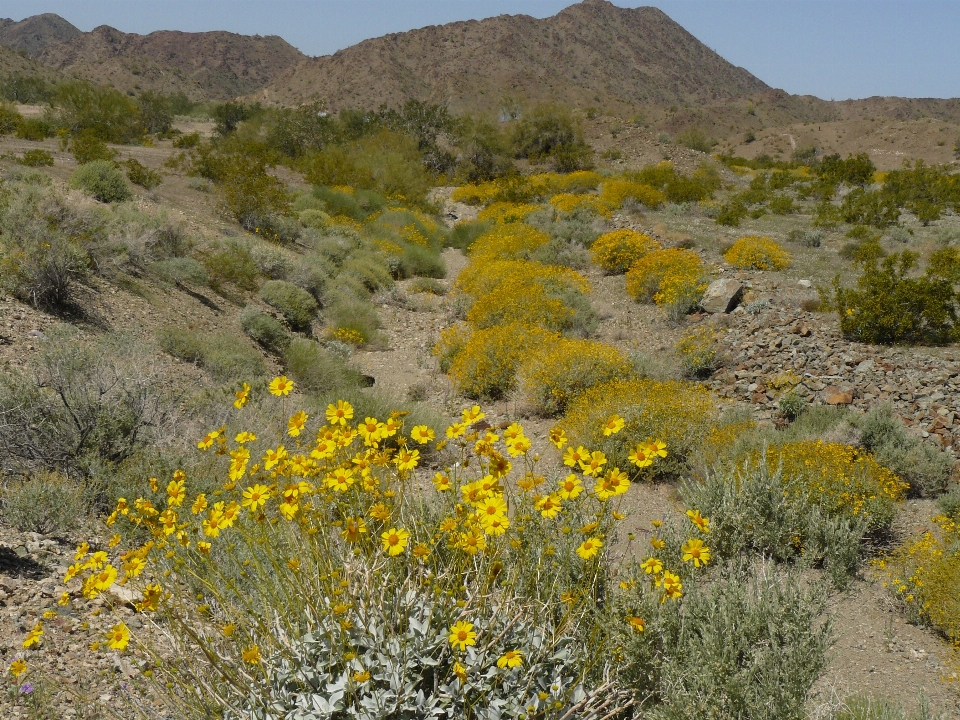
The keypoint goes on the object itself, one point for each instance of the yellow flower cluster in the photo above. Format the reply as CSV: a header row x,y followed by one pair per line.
x,y
615,192
843,479
617,251
924,575
561,371
680,413
512,241
757,252
524,188
697,350
674,278
568,202
503,213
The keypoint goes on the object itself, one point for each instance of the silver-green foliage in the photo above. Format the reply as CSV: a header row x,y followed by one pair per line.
x,y
102,180
402,642
45,502
297,305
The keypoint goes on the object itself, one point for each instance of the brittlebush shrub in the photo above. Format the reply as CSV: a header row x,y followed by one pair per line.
x,y
697,350
487,363
570,202
617,251
674,278
923,576
615,192
757,252
677,412
559,373
843,480
502,213
513,241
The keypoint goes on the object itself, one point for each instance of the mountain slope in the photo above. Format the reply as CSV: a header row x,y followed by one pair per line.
x,y
592,53
35,33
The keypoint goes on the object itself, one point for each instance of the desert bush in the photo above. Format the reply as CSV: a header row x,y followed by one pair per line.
x,y
923,576
369,270
102,180
674,279
485,365
502,213
231,261
697,350
84,108
558,373
862,707
352,319
615,192
925,470
264,330
577,229
181,271
891,306
317,370
219,353
695,140
677,412
571,202
514,241
551,133
806,238
757,253
748,646
28,176
296,304
465,233
36,158
428,286
141,175
617,251
420,262
86,147
44,502
81,403
791,405
35,129
10,119
758,509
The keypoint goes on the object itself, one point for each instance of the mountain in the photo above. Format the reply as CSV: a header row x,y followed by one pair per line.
x,y
592,53
35,33
204,66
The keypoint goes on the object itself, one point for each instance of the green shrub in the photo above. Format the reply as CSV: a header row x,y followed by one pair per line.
x,y
231,261
87,147
697,350
142,175
220,353
428,286
10,119
791,405
419,261
109,114
369,270
186,141
465,232
759,512
806,238
34,129
101,180
181,271
551,133
889,305
36,158
265,330
695,140
81,404
44,502
296,304
346,312
316,370
29,176
867,708
748,646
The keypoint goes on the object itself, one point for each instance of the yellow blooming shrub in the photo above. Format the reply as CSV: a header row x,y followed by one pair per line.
x,y
513,241
617,251
615,192
757,252
923,575
673,278
568,202
697,350
842,479
487,363
680,413
555,375
547,300
506,212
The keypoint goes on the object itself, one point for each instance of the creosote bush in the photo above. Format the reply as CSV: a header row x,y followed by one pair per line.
x,y
757,253
44,502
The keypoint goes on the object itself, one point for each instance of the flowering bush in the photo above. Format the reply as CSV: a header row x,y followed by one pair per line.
x,y
558,373
506,212
674,279
617,251
758,253
697,350
485,366
615,192
680,413
923,575
569,202
513,241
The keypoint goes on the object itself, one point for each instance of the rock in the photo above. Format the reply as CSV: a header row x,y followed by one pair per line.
x,y
834,395
722,296
805,283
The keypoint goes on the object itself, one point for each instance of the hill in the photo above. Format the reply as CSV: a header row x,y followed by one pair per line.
x,y
35,33
592,53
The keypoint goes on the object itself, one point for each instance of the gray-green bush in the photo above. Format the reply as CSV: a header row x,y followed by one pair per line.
x,y
295,304
316,370
44,502
220,353
102,180
265,330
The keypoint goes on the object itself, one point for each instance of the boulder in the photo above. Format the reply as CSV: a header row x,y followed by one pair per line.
x,y
834,395
722,296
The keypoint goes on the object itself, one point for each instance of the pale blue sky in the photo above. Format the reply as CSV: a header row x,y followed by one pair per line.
x,y
830,48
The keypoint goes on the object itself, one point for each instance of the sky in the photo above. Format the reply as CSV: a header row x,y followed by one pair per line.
x,y
834,49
